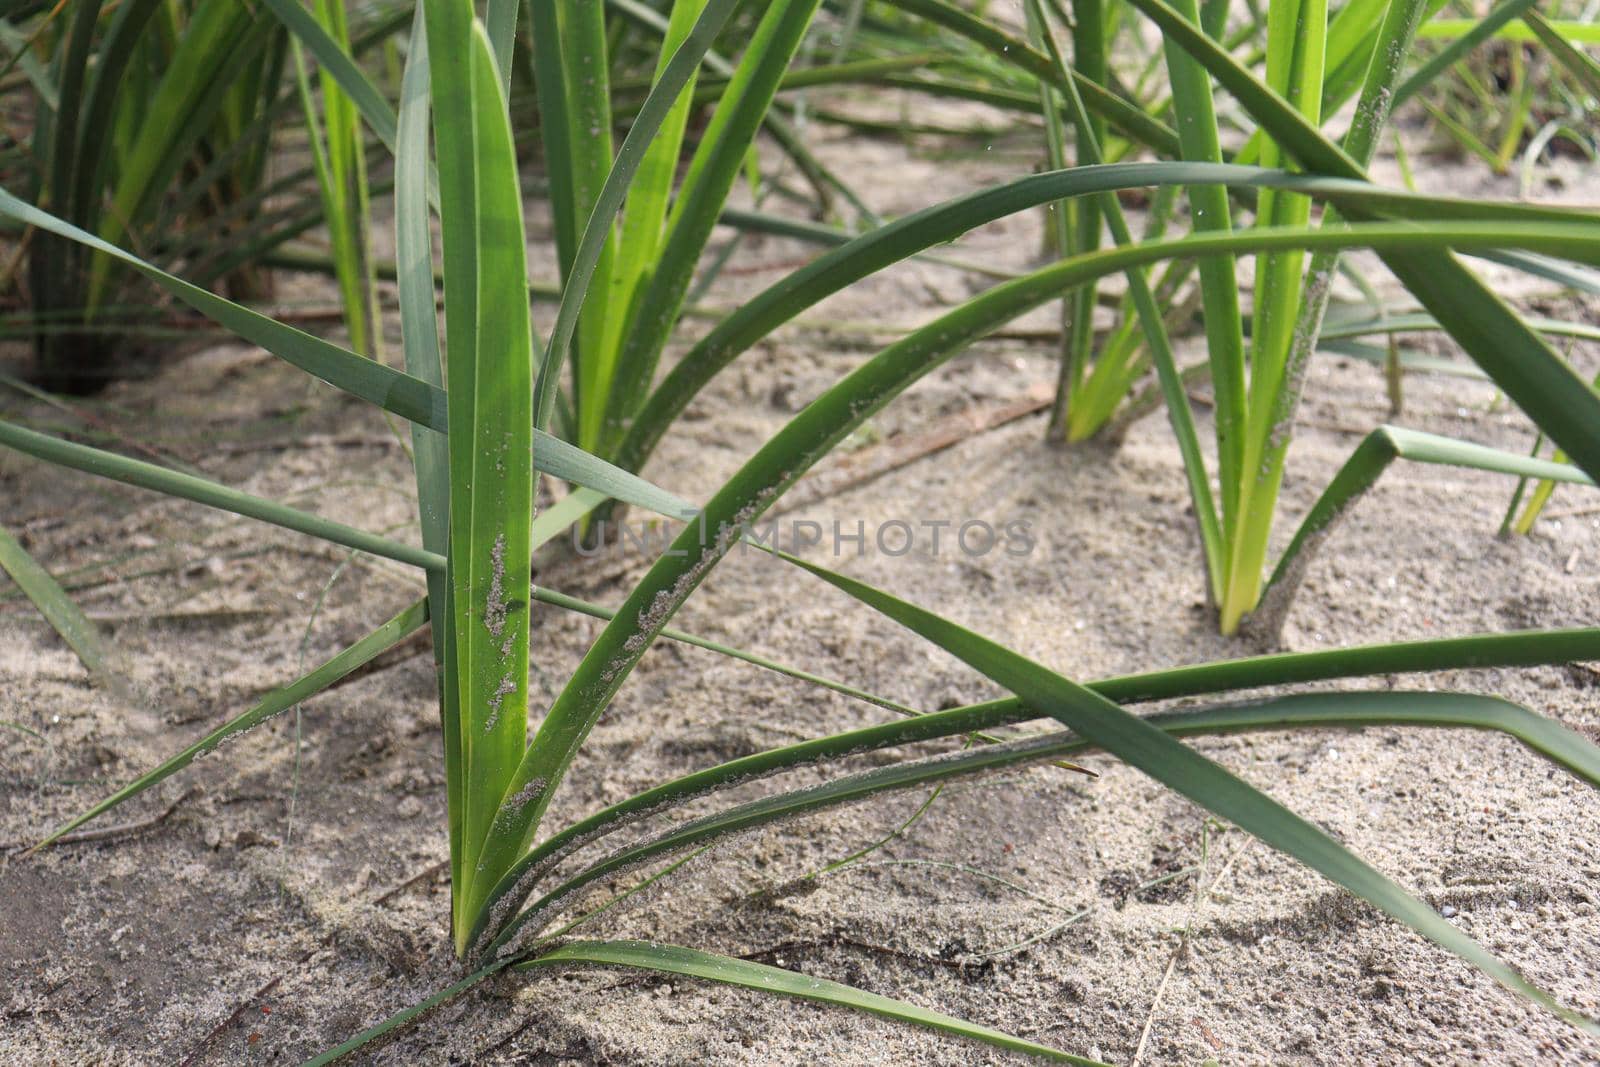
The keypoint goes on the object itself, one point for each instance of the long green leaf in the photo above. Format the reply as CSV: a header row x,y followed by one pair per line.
x,y
395,392
55,605
1345,710
491,476
1371,458
419,330
145,475
908,236
691,963
274,703
1147,748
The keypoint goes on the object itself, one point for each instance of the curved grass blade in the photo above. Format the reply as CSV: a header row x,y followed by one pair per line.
x,y
1360,472
595,611
523,876
401,1018
915,233
389,389
81,635
1302,711
572,464
1147,748
817,429
1480,651
278,701
189,487
691,963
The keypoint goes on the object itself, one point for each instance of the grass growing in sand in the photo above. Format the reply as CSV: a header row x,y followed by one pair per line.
x,y
496,408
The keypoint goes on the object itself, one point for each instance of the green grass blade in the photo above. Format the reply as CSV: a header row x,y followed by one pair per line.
x,y
450,45
691,963
712,172
202,491
1371,458
1458,49
1195,110
274,703
401,1018
491,473
1527,648
81,635
597,231
334,58
561,460
419,331
536,864
394,392
570,509
1345,710
1149,749
595,611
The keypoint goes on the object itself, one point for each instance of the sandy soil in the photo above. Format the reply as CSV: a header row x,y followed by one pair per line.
x,y
277,909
